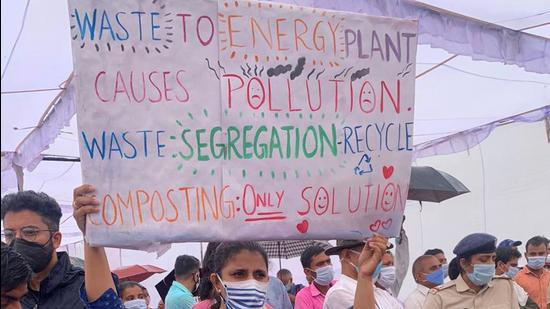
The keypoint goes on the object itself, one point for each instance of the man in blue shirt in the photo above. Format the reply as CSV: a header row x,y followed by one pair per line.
x,y
180,295
277,297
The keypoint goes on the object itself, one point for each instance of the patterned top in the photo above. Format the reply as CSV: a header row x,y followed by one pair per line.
x,y
108,300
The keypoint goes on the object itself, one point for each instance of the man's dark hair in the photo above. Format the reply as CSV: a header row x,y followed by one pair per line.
x,y
308,255
38,202
283,272
186,265
536,241
15,269
434,251
505,254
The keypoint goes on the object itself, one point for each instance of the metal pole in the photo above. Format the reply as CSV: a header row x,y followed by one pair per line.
x,y
279,247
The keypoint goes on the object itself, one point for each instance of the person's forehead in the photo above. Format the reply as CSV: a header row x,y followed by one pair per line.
x,y
134,290
484,255
440,256
321,257
430,262
541,247
246,259
23,218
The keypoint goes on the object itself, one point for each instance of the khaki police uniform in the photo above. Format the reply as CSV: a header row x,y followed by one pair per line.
x,y
456,294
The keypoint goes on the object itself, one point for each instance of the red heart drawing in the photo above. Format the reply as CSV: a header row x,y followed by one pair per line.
x,y
302,227
386,224
375,226
388,171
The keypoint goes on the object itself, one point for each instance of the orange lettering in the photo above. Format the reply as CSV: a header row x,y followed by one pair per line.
x,y
231,31
269,40
298,37
279,34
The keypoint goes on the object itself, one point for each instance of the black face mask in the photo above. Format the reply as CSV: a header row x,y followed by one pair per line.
x,y
38,256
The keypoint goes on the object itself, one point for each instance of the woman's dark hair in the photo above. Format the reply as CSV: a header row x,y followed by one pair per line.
x,y
126,285
225,251
205,286
454,266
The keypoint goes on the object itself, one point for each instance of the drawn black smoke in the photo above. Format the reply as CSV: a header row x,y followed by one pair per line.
x,y
359,74
298,69
278,70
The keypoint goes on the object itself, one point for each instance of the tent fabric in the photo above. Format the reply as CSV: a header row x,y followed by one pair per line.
x,y
465,140
455,33
28,153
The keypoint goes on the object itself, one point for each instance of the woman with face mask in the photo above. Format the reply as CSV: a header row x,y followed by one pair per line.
x,y
133,295
474,284
239,278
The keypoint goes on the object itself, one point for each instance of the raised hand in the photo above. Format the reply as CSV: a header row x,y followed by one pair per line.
x,y
84,203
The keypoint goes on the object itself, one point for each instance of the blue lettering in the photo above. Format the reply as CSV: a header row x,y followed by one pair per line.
x,y
121,26
154,26
86,24
159,145
95,144
131,145
105,19
145,141
387,131
379,130
408,134
357,139
111,149
367,137
346,139
139,21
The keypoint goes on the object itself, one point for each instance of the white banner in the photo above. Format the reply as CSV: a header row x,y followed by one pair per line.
x,y
205,120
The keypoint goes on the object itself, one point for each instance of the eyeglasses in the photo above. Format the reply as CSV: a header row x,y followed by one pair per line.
x,y
27,233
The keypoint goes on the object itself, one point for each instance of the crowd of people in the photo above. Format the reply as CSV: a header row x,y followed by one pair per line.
x,y
235,275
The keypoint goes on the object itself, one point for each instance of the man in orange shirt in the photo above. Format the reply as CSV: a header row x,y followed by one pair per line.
x,y
533,278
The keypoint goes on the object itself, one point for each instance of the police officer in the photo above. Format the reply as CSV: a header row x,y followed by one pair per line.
x,y
473,285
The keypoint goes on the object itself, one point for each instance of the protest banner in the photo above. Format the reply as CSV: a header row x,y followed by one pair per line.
x,y
233,120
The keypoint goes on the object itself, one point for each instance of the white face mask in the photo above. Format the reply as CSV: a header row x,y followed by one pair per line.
x,y
387,277
135,304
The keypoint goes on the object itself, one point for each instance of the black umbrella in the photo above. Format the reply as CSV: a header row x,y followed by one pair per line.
x,y
164,285
286,249
430,185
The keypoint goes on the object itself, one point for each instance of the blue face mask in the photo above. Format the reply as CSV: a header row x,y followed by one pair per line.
x,y
244,294
511,272
436,277
324,275
482,274
536,262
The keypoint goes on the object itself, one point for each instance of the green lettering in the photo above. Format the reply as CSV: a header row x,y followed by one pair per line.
x,y
213,143
275,142
246,145
200,145
231,142
263,146
305,142
184,139
330,142
287,130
